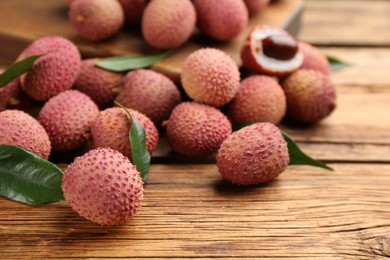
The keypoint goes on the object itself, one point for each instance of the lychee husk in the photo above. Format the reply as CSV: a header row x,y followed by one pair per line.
x,y
253,155
134,10
9,94
104,187
255,6
314,59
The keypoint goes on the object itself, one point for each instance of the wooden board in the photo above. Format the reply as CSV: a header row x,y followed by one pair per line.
x,y
24,21
189,212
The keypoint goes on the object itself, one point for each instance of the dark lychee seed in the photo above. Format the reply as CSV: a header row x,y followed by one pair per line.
x,y
281,47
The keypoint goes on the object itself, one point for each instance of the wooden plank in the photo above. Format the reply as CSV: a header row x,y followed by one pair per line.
x,y
189,212
343,22
23,22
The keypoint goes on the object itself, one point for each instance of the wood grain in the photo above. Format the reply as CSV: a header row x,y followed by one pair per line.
x,y
188,211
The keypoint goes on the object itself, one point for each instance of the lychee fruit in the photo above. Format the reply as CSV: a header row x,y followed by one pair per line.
x,y
150,93
255,154
259,99
103,187
210,76
9,94
221,20
100,85
20,129
195,129
310,94
67,118
55,71
168,24
111,129
134,10
271,51
313,58
255,6
96,20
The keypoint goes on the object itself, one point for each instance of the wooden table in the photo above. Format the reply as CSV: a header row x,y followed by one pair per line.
x,y
307,213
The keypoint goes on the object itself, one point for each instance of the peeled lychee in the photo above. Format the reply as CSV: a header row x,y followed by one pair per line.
x,y
210,76
195,129
20,129
100,85
255,6
259,99
221,20
253,155
310,94
168,24
111,129
55,71
9,94
313,58
67,118
134,10
104,187
271,51
150,93
96,20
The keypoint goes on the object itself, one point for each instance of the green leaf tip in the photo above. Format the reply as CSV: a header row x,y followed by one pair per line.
x,y
126,63
297,157
17,69
336,64
27,178
137,137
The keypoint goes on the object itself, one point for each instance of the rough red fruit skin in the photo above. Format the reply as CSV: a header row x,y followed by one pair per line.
x,y
100,85
210,76
221,20
255,6
168,24
96,20
253,155
67,118
134,10
54,72
195,129
259,99
103,187
111,129
311,96
150,93
313,58
9,94
20,129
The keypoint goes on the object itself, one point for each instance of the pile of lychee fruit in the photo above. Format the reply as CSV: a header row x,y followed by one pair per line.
x,y
285,78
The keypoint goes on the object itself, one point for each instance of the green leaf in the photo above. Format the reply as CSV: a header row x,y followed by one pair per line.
x,y
17,69
336,64
297,157
4,156
137,137
27,178
239,125
126,63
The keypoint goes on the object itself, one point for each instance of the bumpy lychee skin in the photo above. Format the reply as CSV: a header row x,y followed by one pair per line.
x,y
195,129
103,187
150,93
168,24
67,118
54,72
96,20
210,76
259,99
221,20
9,94
100,85
253,155
134,10
311,96
255,6
111,129
20,129
314,59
